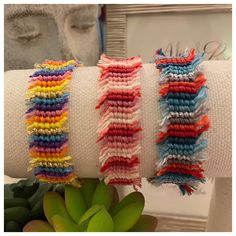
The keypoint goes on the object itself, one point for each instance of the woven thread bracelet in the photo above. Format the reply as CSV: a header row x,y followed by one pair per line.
x,y
183,104
46,118
119,127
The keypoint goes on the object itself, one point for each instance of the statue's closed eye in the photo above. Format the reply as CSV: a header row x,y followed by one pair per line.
x,y
81,21
29,36
24,29
82,26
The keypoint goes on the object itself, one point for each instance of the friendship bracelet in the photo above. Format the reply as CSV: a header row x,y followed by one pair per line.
x,y
183,96
119,127
46,118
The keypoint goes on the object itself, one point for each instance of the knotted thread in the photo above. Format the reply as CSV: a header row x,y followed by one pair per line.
x,y
119,127
179,143
46,119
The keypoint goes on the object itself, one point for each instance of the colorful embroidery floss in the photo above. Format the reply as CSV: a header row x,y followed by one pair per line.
x,y
119,127
183,95
46,118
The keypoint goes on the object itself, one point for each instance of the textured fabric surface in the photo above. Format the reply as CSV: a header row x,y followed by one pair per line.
x,y
84,119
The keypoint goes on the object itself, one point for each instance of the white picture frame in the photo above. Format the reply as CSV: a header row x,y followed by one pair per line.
x,y
118,33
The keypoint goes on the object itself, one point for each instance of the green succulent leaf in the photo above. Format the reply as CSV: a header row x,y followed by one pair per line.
x,y
13,202
90,212
38,195
88,188
8,192
54,204
18,214
115,200
12,226
63,224
27,182
26,188
75,203
38,226
130,198
103,195
83,224
37,212
127,214
145,223
101,222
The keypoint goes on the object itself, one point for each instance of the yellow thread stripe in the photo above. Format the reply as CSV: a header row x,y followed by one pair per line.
x,y
41,125
48,89
53,159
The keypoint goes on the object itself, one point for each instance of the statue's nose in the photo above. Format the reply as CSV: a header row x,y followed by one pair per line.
x,y
63,43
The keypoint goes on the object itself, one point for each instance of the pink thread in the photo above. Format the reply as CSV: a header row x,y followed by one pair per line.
x,y
119,126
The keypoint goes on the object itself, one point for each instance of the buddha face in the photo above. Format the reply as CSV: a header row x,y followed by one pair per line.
x,y
35,32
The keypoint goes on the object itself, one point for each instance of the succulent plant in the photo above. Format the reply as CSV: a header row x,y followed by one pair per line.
x,y
23,201
95,207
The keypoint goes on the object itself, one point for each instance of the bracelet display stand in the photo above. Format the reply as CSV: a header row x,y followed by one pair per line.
x,y
84,119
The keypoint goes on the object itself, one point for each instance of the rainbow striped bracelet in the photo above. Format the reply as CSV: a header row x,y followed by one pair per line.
x,y
183,104
119,127
47,100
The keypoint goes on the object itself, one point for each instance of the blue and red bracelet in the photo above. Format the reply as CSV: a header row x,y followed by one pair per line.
x,y
183,93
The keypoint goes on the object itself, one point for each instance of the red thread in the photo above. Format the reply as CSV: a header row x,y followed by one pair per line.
x,y
177,60
119,161
184,87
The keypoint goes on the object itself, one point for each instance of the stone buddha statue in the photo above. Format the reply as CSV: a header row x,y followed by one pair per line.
x,y
35,32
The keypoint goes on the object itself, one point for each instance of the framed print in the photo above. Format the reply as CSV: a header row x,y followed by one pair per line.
x,y
141,29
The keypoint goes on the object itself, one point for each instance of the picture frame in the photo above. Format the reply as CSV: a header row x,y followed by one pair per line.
x,y
117,15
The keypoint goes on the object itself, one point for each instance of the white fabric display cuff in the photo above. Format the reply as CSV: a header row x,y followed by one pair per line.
x,y
84,118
